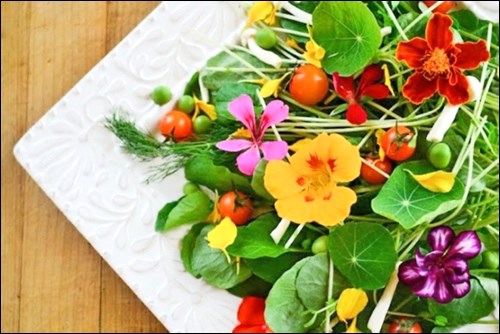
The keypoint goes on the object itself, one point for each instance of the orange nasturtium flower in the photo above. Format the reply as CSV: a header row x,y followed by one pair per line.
x,y
438,63
307,188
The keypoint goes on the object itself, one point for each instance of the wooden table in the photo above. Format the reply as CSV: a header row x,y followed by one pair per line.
x,y
52,279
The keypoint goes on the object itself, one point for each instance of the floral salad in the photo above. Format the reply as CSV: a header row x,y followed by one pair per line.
x,y
342,167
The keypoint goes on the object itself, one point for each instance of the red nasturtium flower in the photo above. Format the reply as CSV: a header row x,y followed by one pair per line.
x,y
369,85
251,316
438,63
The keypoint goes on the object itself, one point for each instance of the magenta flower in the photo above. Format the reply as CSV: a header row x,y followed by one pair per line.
x,y
242,109
443,273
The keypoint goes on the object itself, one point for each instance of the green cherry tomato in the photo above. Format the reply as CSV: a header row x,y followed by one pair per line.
x,y
490,260
202,124
439,155
190,188
161,95
266,38
320,245
186,104
306,244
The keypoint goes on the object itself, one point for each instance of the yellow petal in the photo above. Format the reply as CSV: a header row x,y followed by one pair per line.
x,y
260,81
314,53
294,45
387,78
271,87
207,108
259,11
241,133
215,216
352,327
379,134
351,302
222,236
299,144
438,182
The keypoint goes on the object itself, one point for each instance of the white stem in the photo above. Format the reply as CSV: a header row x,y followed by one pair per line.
x,y
378,316
443,123
280,230
294,235
297,12
203,90
445,120
268,57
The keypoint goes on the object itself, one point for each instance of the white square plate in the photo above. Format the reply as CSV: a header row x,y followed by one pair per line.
x,y
101,190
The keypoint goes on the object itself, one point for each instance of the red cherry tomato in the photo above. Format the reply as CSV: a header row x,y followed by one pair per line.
x,y
405,325
442,8
396,143
309,85
237,206
176,125
370,175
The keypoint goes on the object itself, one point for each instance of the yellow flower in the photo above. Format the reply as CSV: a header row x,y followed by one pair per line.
x,y
241,133
272,87
294,45
299,144
306,189
351,302
314,53
223,236
379,134
387,78
438,182
215,216
208,109
261,11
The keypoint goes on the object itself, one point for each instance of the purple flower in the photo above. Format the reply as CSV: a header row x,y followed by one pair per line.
x,y
242,109
443,273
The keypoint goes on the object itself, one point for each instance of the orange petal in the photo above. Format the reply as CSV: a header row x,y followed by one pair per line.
x,y
281,180
438,31
417,89
471,55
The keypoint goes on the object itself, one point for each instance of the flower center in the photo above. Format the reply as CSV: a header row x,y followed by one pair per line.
x,y
318,182
437,63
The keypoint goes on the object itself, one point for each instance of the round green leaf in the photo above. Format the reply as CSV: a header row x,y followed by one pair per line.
x,y
348,32
364,253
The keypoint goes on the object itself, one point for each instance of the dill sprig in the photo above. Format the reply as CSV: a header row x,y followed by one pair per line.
x,y
168,156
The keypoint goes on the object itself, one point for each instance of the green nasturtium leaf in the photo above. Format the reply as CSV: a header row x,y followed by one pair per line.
x,y
219,69
364,253
190,209
254,286
201,170
229,92
188,243
254,240
270,269
403,200
285,312
312,282
212,265
459,311
348,32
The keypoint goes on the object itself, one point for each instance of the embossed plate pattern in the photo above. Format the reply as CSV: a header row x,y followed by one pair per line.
x,y
80,165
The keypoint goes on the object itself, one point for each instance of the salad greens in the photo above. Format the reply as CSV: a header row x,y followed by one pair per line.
x,y
392,78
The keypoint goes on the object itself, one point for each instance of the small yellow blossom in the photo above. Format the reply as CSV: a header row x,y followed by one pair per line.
x,y
438,182
352,327
314,53
261,11
241,133
223,236
272,87
379,134
215,216
387,79
351,302
208,109
294,45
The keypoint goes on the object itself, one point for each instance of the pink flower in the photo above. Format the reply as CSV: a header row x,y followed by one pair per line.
x,y
242,109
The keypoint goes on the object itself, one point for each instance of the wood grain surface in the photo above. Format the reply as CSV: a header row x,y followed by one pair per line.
x,y
52,279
